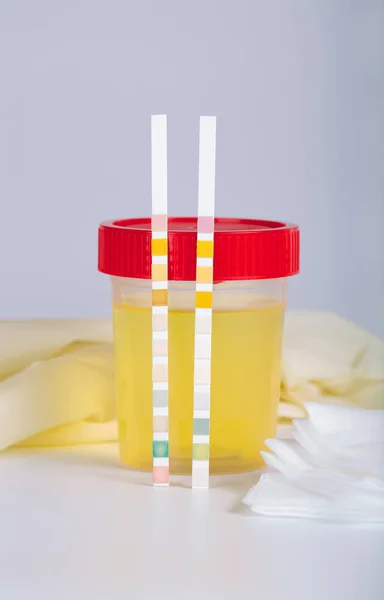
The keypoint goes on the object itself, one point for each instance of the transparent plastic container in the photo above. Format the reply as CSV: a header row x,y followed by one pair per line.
x,y
247,329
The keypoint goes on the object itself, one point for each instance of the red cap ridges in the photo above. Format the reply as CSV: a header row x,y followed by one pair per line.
x,y
244,249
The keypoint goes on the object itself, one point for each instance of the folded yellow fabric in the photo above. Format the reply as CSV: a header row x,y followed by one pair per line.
x,y
330,360
57,383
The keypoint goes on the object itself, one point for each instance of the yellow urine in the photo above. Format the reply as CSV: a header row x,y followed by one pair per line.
x,y
246,348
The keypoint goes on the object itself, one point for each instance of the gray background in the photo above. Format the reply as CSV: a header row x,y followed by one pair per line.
x,y
298,88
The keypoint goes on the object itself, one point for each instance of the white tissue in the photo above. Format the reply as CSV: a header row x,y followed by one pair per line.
x,y
332,469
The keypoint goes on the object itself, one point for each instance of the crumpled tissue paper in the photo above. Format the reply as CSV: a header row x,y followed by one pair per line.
x,y
332,469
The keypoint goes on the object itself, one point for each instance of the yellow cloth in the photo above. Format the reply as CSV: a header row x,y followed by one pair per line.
x,y
330,360
56,382
56,376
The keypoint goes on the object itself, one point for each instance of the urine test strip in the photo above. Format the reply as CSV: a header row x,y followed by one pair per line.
x,y
203,311
159,246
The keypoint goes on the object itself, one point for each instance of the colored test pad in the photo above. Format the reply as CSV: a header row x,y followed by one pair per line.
x,y
203,311
159,247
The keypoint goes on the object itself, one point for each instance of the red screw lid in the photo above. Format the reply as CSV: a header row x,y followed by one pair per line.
x,y
243,249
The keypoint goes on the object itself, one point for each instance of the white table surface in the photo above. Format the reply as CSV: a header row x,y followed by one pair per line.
x,y
74,525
